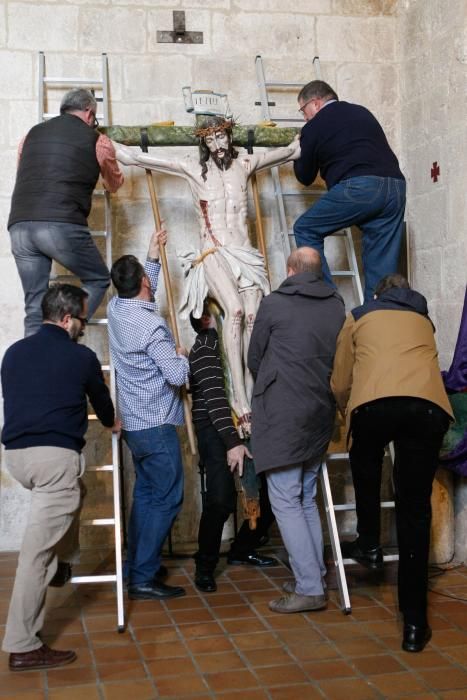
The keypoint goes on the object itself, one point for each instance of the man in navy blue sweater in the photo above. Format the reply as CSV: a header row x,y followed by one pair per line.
x,y
366,188
46,380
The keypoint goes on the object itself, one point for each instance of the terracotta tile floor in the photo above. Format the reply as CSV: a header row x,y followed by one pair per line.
x,y
228,645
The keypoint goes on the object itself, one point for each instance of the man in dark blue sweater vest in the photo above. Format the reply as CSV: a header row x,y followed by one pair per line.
x,y
46,381
366,188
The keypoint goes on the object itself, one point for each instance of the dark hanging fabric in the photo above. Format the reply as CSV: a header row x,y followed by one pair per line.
x,y
454,449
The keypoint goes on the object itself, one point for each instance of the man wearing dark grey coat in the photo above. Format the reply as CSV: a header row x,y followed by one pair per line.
x,y
291,355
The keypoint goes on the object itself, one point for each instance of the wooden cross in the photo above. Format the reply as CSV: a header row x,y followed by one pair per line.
x,y
435,171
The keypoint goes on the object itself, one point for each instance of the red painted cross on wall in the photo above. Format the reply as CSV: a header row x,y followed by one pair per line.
x,y
435,171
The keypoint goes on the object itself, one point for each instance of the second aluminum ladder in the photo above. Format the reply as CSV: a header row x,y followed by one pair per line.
x,y
331,508
99,85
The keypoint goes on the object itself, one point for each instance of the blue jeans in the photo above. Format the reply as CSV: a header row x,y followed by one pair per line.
x,y
376,205
35,244
157,497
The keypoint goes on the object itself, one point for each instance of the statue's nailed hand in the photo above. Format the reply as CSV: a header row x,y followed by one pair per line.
x,y
235,457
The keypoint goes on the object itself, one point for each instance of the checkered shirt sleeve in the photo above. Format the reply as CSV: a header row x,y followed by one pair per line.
x,y
148,370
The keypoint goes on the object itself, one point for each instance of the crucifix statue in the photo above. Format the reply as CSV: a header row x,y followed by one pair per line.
x,y
226,266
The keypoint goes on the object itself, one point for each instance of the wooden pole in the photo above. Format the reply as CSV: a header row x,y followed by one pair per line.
x,y
171,305
259,223
259,226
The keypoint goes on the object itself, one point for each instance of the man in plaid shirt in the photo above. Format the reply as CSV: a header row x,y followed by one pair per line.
x,y
150,371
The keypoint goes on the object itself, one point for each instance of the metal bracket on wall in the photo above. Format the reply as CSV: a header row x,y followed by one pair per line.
x,y
179,35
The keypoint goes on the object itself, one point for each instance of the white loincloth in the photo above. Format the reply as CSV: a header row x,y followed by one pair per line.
x,y
246,265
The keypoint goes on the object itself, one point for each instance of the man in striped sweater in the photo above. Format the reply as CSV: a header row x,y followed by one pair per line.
x,y
221,451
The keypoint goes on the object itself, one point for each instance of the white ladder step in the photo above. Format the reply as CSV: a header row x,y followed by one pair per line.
x,y
94,578
351,506
102,468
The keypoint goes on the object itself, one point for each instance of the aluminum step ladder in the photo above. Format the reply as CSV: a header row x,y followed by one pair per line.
x,y
100,89
265,102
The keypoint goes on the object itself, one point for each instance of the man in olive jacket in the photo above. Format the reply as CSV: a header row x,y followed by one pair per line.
x,y
290,355
388,384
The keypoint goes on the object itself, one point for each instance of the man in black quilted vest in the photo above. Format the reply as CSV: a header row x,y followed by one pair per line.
x,y
59,163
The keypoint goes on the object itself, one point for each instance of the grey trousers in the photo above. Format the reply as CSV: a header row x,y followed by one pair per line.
x,y
52,475
35,244
292,492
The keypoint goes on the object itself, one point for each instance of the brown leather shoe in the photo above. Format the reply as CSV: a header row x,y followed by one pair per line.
x,y
41,658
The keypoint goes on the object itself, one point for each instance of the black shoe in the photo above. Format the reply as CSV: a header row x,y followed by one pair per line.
x,y
161,573
371,558
204,581
154,591
251,558
415,638
62,575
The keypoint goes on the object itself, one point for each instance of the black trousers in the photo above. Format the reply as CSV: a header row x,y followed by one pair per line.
x,y
416,427
221,500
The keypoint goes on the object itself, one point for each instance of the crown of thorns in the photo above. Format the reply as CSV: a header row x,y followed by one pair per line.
x,y
225,125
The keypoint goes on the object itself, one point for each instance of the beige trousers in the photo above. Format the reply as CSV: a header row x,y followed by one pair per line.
x,y
52,475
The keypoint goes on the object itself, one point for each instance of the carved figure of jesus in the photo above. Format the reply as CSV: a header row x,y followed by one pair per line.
x,y
226,267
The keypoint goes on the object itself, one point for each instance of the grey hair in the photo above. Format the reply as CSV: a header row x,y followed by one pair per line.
x,y
78,100
317,88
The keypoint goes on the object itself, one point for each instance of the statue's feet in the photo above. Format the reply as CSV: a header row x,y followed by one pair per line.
x,y
244,425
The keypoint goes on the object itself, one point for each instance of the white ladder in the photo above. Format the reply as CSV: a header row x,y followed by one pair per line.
x,y
265,103
352,272
101,86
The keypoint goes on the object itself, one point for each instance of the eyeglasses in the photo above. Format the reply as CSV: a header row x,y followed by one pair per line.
x,y
84,321
96,121
302,108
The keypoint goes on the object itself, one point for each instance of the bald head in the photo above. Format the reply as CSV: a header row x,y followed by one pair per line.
x,y
304,260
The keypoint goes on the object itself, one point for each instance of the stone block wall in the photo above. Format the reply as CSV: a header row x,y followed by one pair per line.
x,y
367,52
432,47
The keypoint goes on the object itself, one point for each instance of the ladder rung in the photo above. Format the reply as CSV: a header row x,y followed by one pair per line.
x,y
351,506
336,455
103,468
72,81
286,119
281,84
102,234
97,578
98,521
343,273
97,322
386,557
306,193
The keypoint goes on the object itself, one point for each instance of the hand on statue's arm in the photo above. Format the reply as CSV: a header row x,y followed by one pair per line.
x,y
306,166
342,373
236,456
276,156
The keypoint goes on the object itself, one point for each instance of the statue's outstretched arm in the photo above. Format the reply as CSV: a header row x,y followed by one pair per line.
x,y
276,156
164,164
